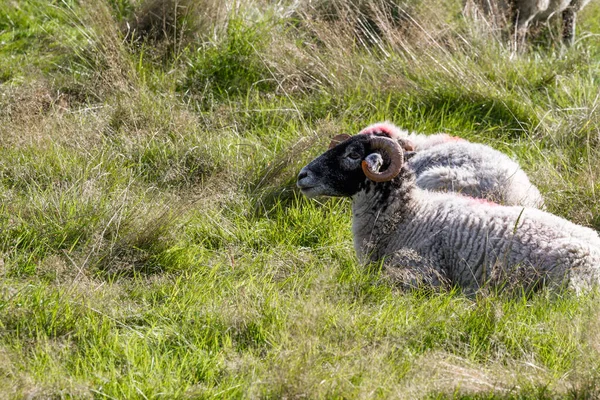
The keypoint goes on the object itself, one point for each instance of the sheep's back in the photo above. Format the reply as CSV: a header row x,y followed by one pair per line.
x,y
475,170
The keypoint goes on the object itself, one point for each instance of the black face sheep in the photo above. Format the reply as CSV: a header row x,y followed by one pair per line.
x,y
448,163
431,237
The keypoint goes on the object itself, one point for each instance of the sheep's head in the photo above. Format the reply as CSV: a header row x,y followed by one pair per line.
x,y
350,164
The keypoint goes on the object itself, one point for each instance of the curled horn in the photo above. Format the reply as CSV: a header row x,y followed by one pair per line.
x,y
337,139
393,151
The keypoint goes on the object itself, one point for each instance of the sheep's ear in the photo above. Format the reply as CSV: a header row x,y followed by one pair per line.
x,y
374,161
408,155
337,139
406,144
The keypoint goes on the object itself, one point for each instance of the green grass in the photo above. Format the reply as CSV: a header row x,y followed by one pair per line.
x,y
153,244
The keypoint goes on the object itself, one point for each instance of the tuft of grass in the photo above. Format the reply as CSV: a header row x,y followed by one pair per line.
x,y
231,67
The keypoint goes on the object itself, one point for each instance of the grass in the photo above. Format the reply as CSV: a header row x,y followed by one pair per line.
x,y
153,243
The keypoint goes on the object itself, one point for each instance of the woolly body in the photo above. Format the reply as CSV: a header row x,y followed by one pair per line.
x,y
432,237
448,163
541,10
527,11
467,242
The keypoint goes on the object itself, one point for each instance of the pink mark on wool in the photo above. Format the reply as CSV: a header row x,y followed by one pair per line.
x,y
449,138
477,200
385,128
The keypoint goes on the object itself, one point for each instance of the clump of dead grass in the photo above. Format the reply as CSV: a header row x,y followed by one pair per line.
x,y
170,25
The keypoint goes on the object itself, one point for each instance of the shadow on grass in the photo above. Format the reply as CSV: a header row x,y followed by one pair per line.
x,y
480,110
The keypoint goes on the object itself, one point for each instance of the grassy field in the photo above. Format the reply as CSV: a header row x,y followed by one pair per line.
x,y
153,244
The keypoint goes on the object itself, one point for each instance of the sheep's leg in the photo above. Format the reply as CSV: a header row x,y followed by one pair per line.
x,y
521,24
524,13
410,270
569,16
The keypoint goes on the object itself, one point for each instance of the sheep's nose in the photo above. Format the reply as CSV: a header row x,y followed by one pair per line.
x,y
304,179
303,174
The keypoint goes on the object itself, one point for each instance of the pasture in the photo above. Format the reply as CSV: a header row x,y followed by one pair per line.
x,y
153,243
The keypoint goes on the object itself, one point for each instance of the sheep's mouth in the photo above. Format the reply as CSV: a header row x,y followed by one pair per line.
x,y
309,191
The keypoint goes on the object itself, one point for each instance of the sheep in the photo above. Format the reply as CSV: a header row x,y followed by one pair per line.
x,y
438,238
525,12
449,163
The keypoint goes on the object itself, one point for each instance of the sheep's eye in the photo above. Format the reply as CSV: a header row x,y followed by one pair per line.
x,y
354,155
